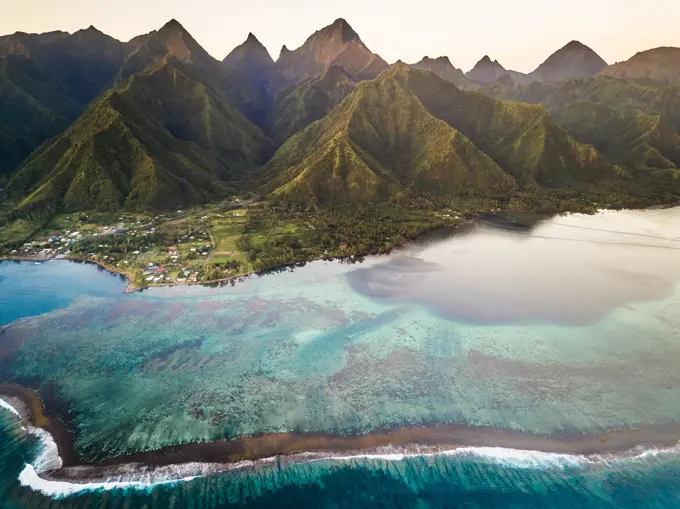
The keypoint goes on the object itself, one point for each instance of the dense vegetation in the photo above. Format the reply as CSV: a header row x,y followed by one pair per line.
x,y
299,105
46,81
327,132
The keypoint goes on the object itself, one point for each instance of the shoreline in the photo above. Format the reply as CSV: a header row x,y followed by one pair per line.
x,y
132,288
443,436
468,218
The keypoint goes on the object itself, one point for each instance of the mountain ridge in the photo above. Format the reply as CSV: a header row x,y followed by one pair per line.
x,y
157,119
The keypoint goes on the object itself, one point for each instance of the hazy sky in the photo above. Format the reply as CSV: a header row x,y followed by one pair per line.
x,y
519,33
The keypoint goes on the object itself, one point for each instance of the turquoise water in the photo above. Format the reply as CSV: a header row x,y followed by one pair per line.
x,y
572,326
29,289
469,481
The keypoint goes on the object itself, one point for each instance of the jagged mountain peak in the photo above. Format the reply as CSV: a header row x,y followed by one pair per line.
x,y
575,45
172,40
340,30
252,60
487,62
250,45
344,29
173,24
486,70
335,44
443,68
441,60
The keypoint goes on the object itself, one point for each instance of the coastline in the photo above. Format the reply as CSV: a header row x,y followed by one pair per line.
x,y
132,288
434,438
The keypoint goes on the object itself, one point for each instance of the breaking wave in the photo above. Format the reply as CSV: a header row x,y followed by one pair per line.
x,y
7,406
46,475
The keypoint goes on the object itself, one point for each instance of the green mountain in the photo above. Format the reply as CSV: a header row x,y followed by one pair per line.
x,y
659,64
575,60
173,41
298,106
409,131
385,139
46,81
161,140
520,137
646,96
634,123
336,44
627,137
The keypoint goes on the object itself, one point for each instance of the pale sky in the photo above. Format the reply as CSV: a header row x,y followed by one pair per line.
x,y
520,34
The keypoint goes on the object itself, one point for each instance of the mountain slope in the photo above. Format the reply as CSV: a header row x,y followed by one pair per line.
x,y
161,140
336,44
648,97
627,137
635,124
173,41
376,66
659,64
575,60
252,60
376,143
46,81
311,100
443,68
521,138
486,71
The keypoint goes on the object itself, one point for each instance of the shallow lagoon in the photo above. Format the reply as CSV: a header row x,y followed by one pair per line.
x,y
572,326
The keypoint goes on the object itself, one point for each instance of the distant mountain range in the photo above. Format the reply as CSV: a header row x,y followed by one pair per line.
x,y
89,122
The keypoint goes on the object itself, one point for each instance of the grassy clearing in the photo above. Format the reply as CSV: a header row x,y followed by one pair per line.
x,y
15,233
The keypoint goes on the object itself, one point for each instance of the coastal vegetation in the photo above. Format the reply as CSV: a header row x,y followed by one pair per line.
x,y
326,152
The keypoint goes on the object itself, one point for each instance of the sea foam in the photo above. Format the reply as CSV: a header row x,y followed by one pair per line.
x,y
7,406
143,477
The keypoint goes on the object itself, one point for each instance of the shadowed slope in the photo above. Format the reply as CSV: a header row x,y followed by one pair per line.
x,y
161,141
46,80
626,117
252,60
379,141
443,68
521,138
174,42
297,107
627,137
659,64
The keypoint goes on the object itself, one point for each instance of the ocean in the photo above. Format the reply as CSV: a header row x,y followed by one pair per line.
x,y
495,367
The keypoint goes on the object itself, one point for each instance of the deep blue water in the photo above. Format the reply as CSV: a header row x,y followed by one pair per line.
x,y
414,482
